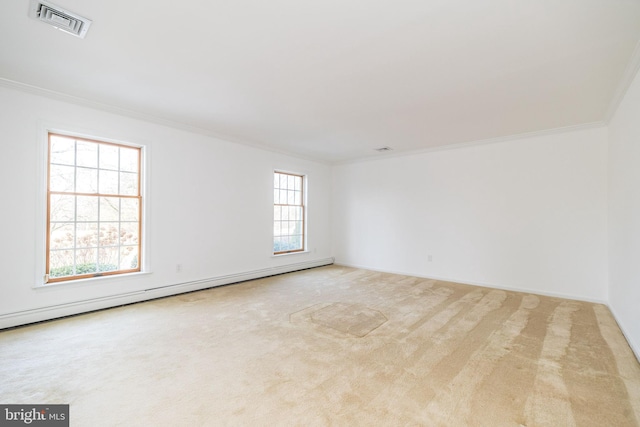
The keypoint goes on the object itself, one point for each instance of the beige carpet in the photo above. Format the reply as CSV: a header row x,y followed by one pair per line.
x,y
331,346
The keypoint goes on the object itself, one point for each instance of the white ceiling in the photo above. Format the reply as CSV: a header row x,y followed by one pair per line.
x,y
333,80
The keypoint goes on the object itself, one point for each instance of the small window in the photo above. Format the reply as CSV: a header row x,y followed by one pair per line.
x,y
288,213
94,207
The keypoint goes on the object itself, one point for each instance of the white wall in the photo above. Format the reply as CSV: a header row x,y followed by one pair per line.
x,y
209,208
526,214
624,215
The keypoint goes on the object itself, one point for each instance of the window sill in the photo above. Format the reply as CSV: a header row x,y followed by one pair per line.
x,y
289,253
92,280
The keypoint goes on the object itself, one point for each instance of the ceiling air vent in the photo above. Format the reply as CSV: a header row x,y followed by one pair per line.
x,y
383,149
60,18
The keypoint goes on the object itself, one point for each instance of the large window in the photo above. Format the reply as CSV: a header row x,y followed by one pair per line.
x,y
288,213
94,208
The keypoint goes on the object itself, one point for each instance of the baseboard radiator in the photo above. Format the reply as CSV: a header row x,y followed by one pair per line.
x,y
77,307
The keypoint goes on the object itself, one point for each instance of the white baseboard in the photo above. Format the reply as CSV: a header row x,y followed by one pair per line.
x,y
634,346
484,285
53,312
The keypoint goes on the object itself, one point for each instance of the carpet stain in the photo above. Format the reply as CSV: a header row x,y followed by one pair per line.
x,y
353,319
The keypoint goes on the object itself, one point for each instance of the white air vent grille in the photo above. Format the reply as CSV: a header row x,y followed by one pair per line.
x,y
64,20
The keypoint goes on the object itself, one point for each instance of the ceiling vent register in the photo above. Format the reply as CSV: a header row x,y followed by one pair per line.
x,y
60,18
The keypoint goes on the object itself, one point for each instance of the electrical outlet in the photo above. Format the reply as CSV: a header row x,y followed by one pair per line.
x,y
429,258
178,268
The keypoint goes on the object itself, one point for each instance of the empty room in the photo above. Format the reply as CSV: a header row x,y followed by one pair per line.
x,y
320,213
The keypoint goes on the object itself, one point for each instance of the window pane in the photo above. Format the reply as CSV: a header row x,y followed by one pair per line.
x,y
87,235
128,184
128,257
61,263
295,212
298,186
86,259
287,246
62,208
86,268
291,198
109,234
108,182
129,210
277,212
62,150
286,228
87,154
87,208
87,180
283,181
109,209
277,244
129,233
109,259
61,178
108,155
297,228
129,159
62,235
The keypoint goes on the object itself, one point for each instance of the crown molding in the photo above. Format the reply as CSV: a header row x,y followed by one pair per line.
x,y
627,78
496,140
136,115
633,68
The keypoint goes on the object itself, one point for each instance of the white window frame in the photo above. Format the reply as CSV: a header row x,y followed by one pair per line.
x,y
303,205
40,279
